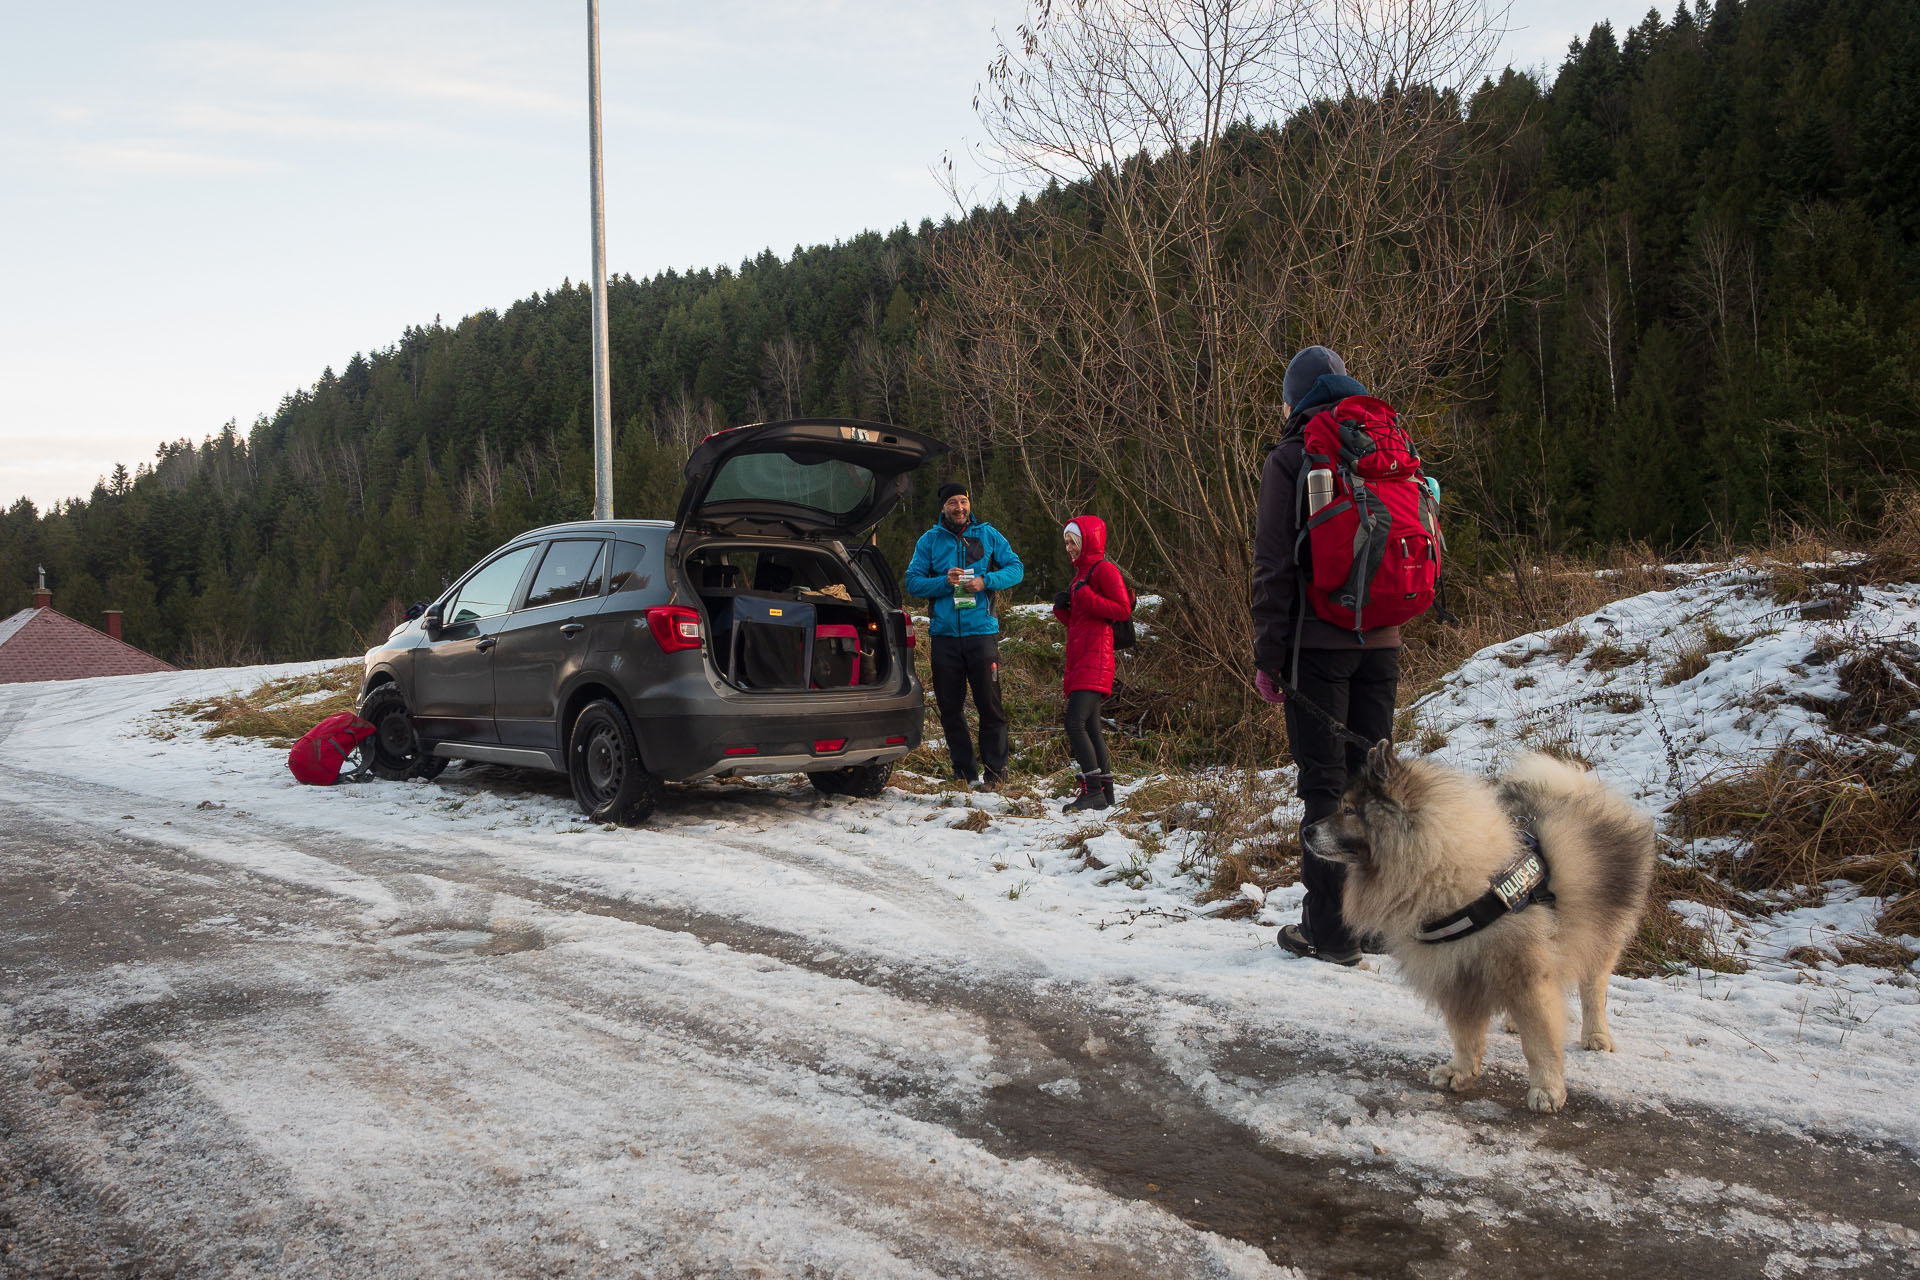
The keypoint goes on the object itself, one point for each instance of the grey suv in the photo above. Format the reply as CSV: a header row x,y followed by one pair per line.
x,y
755,633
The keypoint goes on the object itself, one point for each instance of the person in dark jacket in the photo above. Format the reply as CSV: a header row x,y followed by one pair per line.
x,y
1097,598
957,566
1299,657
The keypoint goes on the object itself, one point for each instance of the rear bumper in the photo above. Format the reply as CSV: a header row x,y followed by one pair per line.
x,y
773,733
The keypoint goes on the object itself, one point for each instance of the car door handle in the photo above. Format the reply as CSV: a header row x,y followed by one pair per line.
x,y
485,643
572,628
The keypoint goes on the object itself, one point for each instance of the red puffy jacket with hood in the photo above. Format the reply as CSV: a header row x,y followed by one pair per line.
x,y
1097,599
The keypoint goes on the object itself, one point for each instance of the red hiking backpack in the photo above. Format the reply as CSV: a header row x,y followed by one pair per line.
x,y
1374,548
317,758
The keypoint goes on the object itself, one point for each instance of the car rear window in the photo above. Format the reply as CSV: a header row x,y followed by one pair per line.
x,y
627,559
570,570
830,485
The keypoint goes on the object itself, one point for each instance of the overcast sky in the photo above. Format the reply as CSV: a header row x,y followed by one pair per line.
x,y
204,204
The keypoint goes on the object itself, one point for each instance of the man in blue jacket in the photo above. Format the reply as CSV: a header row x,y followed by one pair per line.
x,y
957,566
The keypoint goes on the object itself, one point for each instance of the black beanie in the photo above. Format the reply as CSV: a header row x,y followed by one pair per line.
x,y
949,489
1305,369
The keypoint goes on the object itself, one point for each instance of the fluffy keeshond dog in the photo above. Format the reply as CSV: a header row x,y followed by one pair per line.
x,y
1436,857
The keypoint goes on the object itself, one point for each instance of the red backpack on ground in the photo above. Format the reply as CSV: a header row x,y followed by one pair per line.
x,y
1374,548
317,758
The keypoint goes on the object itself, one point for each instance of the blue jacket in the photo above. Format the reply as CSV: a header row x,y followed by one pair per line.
x,y
939,550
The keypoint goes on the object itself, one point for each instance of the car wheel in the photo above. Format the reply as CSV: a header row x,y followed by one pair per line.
x,y
603,762
397,754
866,781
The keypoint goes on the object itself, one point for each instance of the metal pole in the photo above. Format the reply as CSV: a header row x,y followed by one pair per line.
x,y
602,396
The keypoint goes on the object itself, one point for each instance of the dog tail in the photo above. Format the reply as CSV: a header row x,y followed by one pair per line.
x,y
1554,774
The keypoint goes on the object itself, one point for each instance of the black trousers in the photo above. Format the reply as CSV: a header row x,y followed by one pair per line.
x,y
1357,688
961,663
1085,737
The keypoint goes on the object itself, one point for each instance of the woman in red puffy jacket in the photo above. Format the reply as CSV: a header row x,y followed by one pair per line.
x,y
1097,598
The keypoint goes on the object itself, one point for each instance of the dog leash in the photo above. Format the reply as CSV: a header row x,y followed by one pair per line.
x,y
1327,718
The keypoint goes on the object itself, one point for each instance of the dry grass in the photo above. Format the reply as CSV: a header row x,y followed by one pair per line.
x,y
1228,816
1880,953
279,711
1814,813
1901,919
1879,686
1611,657
1621,702
1667,942
976,820
1690,662
1894,554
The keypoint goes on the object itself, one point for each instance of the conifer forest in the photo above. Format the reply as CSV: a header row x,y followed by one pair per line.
x,y
1698,323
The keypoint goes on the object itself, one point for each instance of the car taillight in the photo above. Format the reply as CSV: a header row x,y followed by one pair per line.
x,y
822,746
742,751
906,624
896,742
675,627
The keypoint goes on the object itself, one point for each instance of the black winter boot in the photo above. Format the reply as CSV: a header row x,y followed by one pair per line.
x,y
1106,787
1092,795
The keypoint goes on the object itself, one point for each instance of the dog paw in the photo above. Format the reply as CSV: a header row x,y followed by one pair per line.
x,y
1599,1042
1542,1098
1450,1076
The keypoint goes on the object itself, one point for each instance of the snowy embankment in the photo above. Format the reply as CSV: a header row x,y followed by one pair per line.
x,y
899,882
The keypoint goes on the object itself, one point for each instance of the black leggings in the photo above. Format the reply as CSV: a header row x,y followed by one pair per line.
x,y
1084,736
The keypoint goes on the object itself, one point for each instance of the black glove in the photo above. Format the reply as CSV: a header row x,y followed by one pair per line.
x,y
1061,600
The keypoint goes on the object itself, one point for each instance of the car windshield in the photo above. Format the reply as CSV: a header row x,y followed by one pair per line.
x,y
831,485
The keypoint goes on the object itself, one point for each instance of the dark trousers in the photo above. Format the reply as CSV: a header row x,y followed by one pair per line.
x,y
1084,735
1357,688
971,662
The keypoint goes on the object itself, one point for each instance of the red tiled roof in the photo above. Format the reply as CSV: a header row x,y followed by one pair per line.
x,y
45,644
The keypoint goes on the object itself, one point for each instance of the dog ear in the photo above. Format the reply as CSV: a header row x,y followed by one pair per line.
x,y
1381,764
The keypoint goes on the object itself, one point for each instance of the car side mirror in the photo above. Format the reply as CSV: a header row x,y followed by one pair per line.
x,y
431,618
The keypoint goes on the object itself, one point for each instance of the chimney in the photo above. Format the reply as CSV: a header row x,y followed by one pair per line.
x,y
42,598
113,623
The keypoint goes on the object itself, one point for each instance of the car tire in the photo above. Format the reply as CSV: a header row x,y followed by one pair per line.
x,y
866,781
603,762
397,754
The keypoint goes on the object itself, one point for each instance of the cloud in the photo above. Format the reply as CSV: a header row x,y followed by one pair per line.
x,y
277,122
152,156
434,75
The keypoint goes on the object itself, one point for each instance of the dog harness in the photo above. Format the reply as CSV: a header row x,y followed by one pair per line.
x,y
1515,889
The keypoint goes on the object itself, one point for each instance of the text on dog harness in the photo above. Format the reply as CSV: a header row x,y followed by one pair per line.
x,y
1518,887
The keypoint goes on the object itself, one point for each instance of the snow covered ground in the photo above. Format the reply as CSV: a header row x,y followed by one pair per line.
x,y
774,1034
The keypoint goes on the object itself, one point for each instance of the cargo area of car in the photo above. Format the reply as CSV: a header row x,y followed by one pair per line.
x,y
782,619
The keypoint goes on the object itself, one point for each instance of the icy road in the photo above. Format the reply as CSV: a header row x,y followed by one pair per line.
x,y
251,1029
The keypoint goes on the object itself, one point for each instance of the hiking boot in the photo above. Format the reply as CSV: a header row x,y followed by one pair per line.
x,y
992,782
1092,796
1294,938
1106,787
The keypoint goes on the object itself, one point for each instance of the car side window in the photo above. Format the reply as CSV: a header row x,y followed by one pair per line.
x,y
569,571
627,559
490,591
